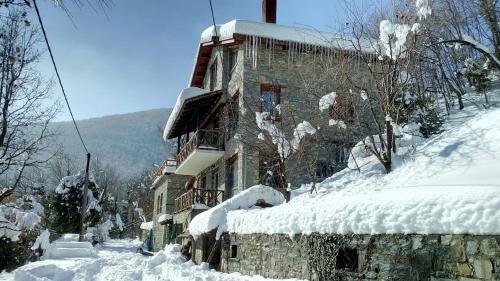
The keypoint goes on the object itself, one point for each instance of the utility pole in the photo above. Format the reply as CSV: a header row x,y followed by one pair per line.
x,y
83,209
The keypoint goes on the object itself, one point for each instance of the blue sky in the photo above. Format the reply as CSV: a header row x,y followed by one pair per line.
x,y
139,54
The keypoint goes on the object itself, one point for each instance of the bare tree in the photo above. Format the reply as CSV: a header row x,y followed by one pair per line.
x,y
25,105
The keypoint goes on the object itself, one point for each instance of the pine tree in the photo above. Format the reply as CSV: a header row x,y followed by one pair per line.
x,y
63,213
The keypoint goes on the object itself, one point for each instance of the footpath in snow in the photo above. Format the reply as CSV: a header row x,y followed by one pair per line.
x,y
117,260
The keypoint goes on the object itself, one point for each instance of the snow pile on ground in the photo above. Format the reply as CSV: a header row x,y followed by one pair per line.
x,y
117,260
446,184
170,265
216,216
184,95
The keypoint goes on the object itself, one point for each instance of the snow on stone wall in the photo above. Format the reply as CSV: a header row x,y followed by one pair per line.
x,y
216,216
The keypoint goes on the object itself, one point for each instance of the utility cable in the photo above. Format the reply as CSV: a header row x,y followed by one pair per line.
x,y
57,74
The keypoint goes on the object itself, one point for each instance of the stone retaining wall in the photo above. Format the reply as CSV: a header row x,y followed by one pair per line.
x,y
364,257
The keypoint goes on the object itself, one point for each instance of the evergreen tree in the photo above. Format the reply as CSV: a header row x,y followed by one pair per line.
x,y
63,213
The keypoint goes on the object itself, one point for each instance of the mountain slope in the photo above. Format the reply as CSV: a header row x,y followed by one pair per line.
x,y
130,142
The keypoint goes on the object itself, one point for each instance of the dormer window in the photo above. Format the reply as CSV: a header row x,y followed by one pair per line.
x,y
213,75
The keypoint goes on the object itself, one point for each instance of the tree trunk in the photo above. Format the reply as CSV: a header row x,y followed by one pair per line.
x,y
388,151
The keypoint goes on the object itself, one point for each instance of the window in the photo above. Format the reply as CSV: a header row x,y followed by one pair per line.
x,y
347,259
203,182
161,202
232,176
215,179
213,75
270,96
233,115
323,169
234,251
233,58
340,156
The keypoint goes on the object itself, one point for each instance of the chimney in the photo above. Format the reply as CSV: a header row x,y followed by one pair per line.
x,y
269,11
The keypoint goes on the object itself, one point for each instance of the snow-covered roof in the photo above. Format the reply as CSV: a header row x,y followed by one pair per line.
x,y
216,216
184,95
279,32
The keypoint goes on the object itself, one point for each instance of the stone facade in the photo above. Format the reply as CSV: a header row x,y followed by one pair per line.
x,y
364,257
170,186
302,81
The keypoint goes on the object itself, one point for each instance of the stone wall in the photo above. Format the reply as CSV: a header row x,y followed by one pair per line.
x,y
171,186
364,257
302,80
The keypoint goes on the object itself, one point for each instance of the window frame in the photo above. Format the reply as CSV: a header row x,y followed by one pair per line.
x,y
215,179
233,58
233,117
213,74
232,175
276,89
202,182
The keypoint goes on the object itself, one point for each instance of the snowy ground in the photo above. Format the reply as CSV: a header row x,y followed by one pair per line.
x,y
117,260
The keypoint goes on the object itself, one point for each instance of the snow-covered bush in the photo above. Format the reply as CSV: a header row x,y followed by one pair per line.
x,y
63,213
18,230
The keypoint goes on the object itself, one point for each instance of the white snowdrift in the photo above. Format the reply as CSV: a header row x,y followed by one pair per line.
x,y
184,95
446,185
170,265
216,216
117,260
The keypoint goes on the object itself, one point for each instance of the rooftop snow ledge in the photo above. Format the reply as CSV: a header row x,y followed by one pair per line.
x,y
184,95
281,32
216,216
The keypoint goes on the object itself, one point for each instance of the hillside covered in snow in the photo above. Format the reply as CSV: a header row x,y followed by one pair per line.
x,y
130,142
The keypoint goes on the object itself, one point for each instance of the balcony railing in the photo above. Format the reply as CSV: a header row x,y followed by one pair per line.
x,y
166,167
206,197
202,139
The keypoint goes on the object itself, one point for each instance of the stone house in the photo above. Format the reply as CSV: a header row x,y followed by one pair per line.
x,y
245,69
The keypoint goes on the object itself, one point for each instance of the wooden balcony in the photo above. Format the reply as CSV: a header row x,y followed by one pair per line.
x,y
209,198
167,167
202,150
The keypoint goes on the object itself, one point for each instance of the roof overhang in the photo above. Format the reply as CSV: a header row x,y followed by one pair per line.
x,y
203,57
193,112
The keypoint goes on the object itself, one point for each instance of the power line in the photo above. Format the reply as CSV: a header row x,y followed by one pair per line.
x,y
57,74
